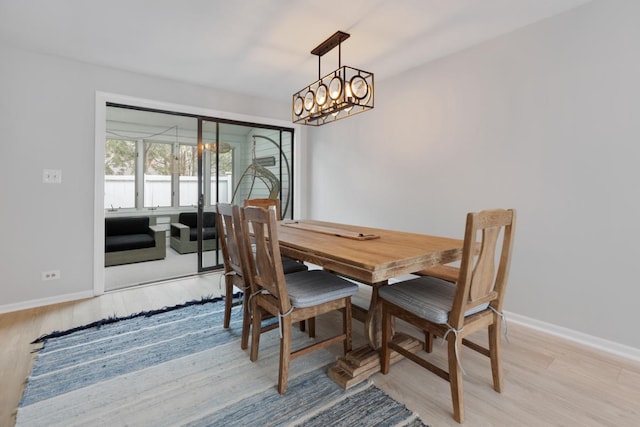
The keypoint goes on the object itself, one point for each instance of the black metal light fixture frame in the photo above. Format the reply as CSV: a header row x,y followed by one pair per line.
x,y
342,93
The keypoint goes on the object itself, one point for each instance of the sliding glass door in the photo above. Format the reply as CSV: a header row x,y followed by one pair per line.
x,y
239,161
170,169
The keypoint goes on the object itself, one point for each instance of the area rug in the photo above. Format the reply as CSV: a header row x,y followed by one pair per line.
x,y
179,366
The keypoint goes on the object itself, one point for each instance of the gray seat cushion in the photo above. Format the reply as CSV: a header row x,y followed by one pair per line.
x,y
426,297
292,266
313,287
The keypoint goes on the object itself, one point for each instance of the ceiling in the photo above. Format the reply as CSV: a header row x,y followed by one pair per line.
x,y
261,47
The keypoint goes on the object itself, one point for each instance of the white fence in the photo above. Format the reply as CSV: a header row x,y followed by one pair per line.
x,y
120,190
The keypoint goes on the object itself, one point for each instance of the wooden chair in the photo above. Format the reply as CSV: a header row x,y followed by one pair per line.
x,y
289,265
453,311
234,268
292,298
236,271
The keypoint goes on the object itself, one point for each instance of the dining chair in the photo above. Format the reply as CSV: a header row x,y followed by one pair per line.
x,y
234,273
293,297
453,311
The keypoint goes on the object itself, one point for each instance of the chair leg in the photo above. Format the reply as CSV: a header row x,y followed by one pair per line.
x,y
455,379
285,355
347,326
246,322
494,353
228,301
312,327
385,353
428,342
255,330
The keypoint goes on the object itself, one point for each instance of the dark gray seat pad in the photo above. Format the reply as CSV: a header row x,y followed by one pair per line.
x,y
125,242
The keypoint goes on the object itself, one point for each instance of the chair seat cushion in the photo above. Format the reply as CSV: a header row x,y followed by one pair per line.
x,y
426,297
290,265
313,287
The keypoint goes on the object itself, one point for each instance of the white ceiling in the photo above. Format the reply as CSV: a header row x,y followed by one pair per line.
x,y
261,47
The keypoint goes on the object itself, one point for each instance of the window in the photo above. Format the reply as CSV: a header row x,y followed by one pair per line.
x,y
119,171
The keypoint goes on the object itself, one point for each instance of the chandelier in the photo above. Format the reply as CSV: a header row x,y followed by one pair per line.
x,y
342,93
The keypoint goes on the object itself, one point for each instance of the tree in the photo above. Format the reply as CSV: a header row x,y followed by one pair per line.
x,y
188,161
157,158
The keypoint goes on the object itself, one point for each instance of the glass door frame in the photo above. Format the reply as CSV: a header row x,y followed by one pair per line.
x,y
202,268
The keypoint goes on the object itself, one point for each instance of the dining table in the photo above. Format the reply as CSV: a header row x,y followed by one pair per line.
x,y
371,256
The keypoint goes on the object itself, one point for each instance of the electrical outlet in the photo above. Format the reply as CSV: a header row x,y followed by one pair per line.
x,y
52,176
50,275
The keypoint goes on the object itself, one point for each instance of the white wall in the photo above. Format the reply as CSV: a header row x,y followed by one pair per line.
x,y
545,120
47,115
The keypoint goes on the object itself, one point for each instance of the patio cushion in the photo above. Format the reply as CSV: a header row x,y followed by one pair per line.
x,y
207,233
190,219
128,242
126,226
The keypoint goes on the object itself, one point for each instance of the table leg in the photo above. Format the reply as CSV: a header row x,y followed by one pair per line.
x,y
369,312
359,364
372,324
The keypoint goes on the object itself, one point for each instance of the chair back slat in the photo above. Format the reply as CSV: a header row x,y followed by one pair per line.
x,y
230,240
481,280
505,261
264,260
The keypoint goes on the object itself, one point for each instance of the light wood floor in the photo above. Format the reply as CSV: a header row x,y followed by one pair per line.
x,y
548,381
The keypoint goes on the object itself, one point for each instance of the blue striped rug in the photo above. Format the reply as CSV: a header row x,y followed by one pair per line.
x,y
178,366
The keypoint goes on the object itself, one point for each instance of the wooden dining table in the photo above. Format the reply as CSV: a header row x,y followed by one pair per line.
x,y
370,256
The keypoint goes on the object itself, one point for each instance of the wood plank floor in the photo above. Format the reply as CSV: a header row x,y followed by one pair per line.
x,y
548,381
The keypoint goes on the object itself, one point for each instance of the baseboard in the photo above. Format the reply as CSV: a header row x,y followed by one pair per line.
x,y
575,336
24,305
